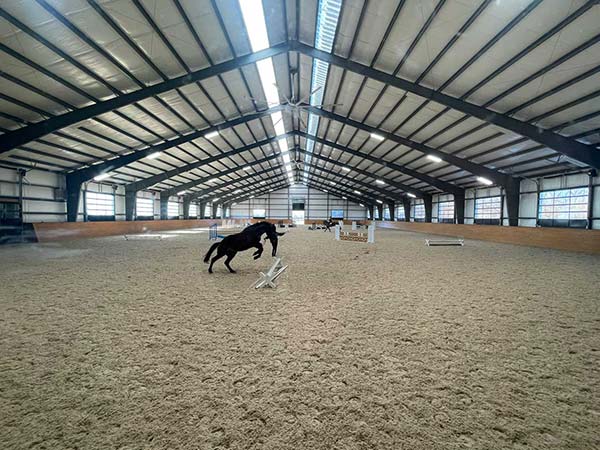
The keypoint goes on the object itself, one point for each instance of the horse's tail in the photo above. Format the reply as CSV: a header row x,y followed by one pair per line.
x,y
210,250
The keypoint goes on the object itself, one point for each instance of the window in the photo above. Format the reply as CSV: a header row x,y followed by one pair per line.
x,y
193,210
173,210
488,210
563,208
376,212
99,206
446,212
400,213
386,213
419,212
144,208
337,213
259,214
207,211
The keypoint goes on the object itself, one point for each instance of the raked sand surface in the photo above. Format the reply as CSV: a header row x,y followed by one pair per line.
x,y
115,344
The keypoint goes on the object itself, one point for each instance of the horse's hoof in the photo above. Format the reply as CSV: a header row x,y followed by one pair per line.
x,y
232,271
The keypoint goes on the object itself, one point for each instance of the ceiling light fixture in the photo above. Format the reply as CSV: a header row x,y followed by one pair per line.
x,y
379,181
379,201
102,176
357,192
411,195
377,137
485,181
211,135
182,192
154,155
434,158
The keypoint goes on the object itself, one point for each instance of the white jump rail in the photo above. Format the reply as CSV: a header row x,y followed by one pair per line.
x,y
445,242
268,279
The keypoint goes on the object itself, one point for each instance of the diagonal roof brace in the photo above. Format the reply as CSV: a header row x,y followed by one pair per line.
x,y
193,183
386,195
402,186
88,173
441,185
475,169
15,138
204,192
151,181
567,146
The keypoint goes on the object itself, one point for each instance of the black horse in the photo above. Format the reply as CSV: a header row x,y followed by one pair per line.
x,y
249,237
328,224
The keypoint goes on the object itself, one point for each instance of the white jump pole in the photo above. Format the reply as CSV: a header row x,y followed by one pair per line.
x,y
353,225
371,234
337,232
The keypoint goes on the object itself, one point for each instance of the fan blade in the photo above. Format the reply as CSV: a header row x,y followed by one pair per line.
x,y
275,124
329,105
303,123
315,90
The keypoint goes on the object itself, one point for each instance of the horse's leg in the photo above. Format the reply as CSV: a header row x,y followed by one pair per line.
x,y
215,258
259,251
230,255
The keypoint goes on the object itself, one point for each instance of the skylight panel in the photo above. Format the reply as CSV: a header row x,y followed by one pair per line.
x,y
254,18
327,19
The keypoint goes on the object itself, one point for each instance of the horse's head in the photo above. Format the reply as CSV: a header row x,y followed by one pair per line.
x,y
273,236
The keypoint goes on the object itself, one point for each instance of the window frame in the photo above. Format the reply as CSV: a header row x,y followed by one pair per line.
x,y
488,220
335,217
99,217
562,222
139,216
259,216
441,219
421,206
169,205
190,215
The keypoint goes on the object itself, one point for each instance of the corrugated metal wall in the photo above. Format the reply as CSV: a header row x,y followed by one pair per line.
x,y
317,205
44,199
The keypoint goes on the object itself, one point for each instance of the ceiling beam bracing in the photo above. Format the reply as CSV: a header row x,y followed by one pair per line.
x,y
569,147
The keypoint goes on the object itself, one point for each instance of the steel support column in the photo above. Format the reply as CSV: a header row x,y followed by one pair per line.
x,y
201,209
428,202
130,205
380,211
392,208
459,208
164,206
513,194
73,196
186,207
406,204
214,210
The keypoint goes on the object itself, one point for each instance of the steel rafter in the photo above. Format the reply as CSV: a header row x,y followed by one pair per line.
x,y
574,149
23,135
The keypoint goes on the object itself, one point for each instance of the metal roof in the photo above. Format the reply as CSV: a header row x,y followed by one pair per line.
x,y
495,88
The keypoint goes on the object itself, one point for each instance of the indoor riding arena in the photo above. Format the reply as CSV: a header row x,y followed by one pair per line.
x,y
299,224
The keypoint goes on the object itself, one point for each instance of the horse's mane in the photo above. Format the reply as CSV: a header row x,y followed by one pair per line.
x,y
257,226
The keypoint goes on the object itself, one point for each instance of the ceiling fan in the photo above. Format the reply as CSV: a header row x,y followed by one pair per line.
x,y
293,105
